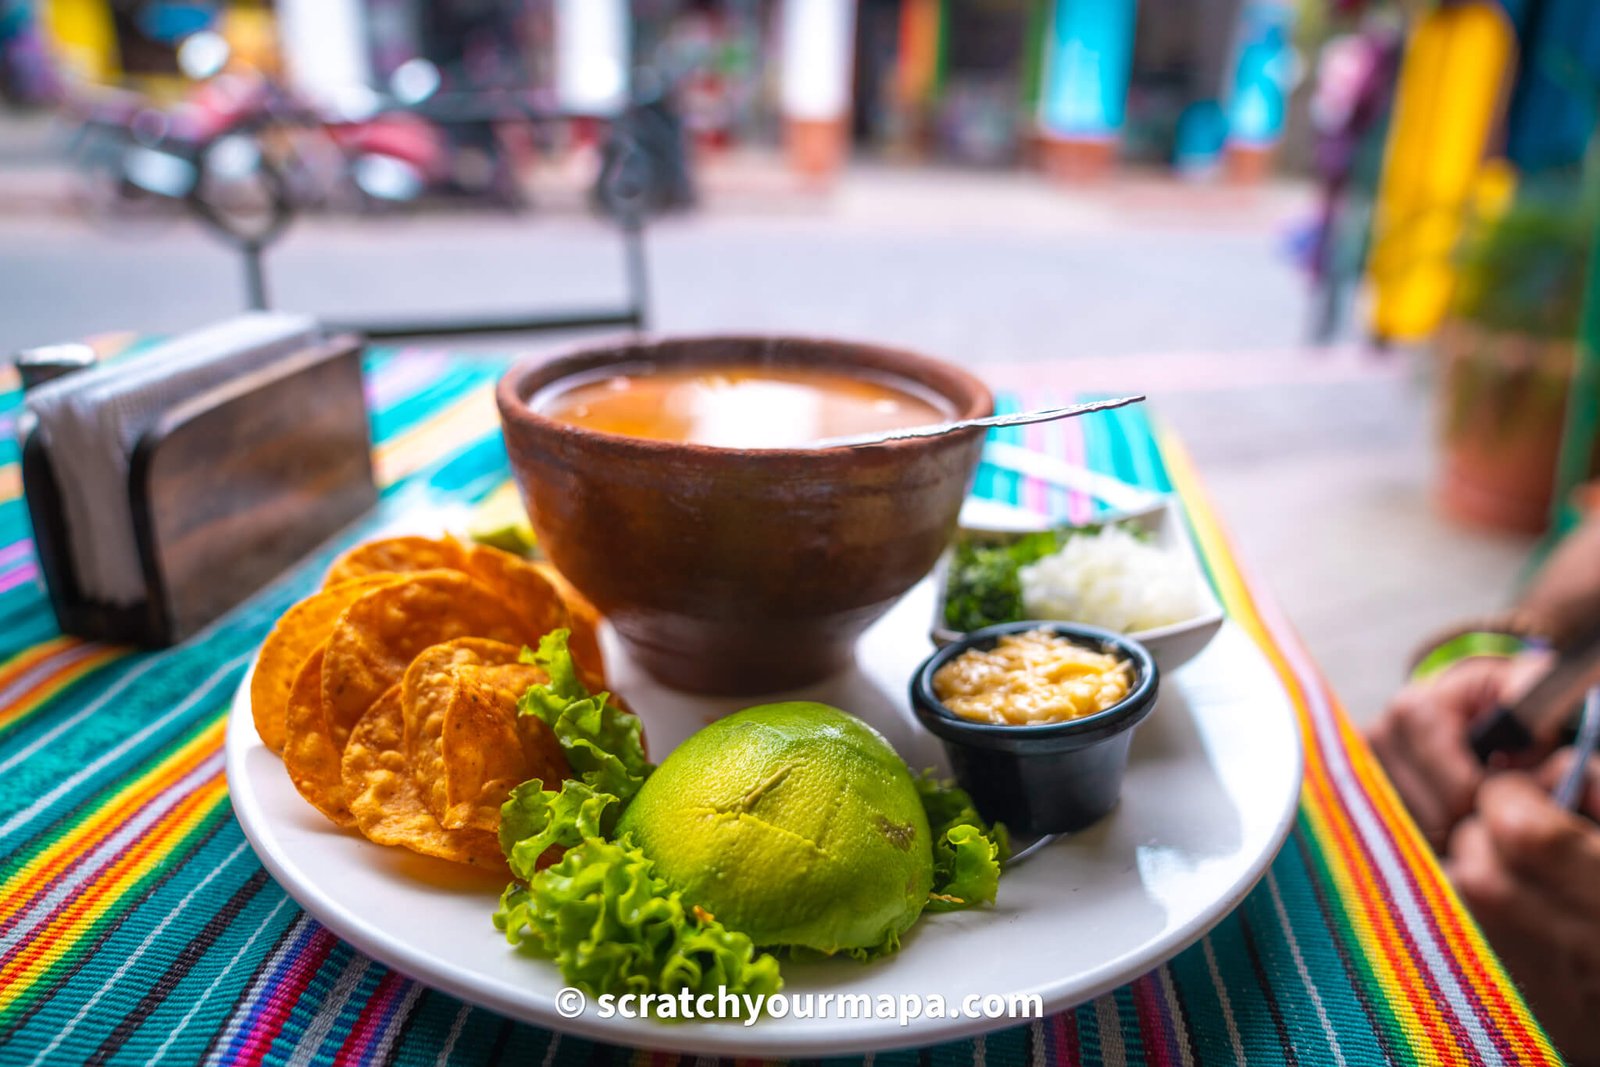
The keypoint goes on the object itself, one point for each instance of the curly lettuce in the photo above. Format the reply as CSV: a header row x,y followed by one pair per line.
x,y
536,819
599,911
602,742
967,853
613,926
603,745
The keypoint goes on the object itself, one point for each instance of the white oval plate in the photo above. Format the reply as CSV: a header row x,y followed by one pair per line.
x,y
1212,788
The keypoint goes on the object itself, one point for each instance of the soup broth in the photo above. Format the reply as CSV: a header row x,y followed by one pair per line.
x,y
740,405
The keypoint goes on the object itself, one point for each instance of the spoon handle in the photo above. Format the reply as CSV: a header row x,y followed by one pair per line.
x,y
1023,418
1016,418
1569,793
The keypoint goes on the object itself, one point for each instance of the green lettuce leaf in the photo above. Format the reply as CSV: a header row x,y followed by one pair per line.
x,y
966,869
553,657
535,818
967,853
605,748
612,926
983,585
602,742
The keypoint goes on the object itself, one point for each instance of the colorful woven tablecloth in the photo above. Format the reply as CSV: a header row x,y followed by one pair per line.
x,y
137,926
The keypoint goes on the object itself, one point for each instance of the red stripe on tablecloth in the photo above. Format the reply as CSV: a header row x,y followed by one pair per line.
x,y
267,1022
1394,826
1064,1034
1279,642
1155,1023
373,1020
1446,918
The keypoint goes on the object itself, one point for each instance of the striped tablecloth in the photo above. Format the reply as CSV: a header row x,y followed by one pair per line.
x,y
136,925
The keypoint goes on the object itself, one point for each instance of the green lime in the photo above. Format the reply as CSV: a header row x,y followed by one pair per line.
x,y
795,824
501,521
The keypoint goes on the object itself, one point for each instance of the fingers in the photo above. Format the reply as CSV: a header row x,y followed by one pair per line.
x,y
1553,771
1542,844
1521,673
1421,739
1514,866
1444,761
1430,816
1390,744
1490,888
1532,935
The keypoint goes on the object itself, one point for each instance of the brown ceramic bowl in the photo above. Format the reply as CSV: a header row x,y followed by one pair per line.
x,y
740,571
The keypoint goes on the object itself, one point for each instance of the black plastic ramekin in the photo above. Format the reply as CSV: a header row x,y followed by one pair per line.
x,y
1047,778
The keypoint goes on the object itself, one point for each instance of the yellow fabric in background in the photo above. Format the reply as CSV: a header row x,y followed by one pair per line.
x,y
1452,82
252,36
82,37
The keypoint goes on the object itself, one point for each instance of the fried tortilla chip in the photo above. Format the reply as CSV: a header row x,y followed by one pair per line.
x,y
397,555
488,750
548,600
380,634
386,803
522,584
297,634
584,620
425,694
536,590
309,754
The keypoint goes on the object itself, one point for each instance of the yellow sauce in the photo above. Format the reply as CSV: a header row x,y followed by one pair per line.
x,y
1033,677
741,406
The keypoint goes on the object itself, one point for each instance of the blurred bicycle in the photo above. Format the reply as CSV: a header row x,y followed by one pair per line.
x,y
240,139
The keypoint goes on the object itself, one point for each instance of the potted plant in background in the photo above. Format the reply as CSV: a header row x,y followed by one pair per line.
x,y
1505,357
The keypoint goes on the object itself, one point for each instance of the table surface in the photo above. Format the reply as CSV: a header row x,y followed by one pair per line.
x,y
136,925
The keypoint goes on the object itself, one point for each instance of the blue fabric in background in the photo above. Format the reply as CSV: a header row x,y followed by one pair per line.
x,y
1553,104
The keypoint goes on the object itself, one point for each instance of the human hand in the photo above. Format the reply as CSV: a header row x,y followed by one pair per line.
x,y
1530,873
1422,737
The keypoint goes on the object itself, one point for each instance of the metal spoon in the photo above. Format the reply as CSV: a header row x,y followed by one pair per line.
x,y
1569,793
939,429
1030,849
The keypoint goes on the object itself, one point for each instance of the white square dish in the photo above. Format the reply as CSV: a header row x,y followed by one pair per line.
x,y
1172,645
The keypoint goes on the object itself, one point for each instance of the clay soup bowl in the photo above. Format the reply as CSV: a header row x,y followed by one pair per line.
x,y
740,571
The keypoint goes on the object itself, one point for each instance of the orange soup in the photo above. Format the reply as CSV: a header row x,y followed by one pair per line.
x,y
740,405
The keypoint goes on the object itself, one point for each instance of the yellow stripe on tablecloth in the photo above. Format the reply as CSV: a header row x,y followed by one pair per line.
x,y
1389,947
25,660
1397,971
105,889
465,419
41,692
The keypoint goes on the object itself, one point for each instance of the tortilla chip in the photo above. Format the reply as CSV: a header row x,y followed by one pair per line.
x,y
425,694
521,584
380,634
397,555
584,620
384,798
298,633
309,754
488,750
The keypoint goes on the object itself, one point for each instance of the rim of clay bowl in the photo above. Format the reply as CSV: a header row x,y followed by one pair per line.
x,y
966,393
